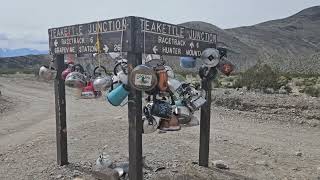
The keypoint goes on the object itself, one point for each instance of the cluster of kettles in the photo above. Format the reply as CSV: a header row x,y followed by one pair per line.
x,y
168,102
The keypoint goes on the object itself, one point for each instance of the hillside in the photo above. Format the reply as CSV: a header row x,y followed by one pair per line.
x,y
24,62
287,43
291,44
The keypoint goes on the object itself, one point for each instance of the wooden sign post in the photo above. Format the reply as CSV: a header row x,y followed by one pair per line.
x,y
134,35
61,120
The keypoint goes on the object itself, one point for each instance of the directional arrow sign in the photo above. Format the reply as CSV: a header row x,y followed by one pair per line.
x,y
56,43
155,49
191,45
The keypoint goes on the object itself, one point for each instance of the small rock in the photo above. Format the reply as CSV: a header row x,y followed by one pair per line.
x,y
269,91
78,178
283,91
257,148
263,163
296,169
119,117
314,125
58,176
241,93
227,92
220,164
76,173
299,153
106,173
103,161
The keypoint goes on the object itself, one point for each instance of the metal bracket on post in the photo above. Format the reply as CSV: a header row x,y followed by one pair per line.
x,y
134,110
205,124
60,102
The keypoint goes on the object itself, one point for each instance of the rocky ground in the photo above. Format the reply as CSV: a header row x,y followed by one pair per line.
x,y
300,108
258,136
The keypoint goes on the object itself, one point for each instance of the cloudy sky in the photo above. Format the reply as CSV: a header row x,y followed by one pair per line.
x,y
24,23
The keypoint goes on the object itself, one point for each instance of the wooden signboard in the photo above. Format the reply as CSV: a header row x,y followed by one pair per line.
x,y
152,37
156,37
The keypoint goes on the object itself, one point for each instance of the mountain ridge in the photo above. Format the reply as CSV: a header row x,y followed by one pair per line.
x,y
289,44
6,52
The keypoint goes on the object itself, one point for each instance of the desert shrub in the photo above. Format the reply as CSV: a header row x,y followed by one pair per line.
x,y
310,81
261,77
313,91
298,82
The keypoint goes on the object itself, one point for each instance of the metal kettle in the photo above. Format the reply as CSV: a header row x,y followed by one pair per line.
x,y
101,83
76,79
47,72
162,78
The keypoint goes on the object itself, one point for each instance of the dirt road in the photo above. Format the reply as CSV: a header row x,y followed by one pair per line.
x,y
254,145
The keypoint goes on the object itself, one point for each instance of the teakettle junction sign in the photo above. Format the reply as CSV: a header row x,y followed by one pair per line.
x,y
135,36
152,37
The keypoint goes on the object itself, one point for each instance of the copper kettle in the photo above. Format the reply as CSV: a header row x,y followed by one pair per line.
x,y
162,78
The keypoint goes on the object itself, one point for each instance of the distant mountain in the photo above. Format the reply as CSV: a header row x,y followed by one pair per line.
x,y
24,62
4,52
291,44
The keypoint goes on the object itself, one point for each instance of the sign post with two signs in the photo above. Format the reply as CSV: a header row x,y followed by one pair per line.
x,y
135,36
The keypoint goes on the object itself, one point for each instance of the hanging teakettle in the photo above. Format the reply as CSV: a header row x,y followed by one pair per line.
x,y
187,62
67,71
101,83
225,66
162,78
47,72
183,114
117,95
210,57
169,72
76,79
143,78
89,92
176,87
121,65
160,108
196,102
121,71
150,123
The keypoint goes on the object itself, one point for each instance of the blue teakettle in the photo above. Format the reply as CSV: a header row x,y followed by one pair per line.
x,y
187,62
117,95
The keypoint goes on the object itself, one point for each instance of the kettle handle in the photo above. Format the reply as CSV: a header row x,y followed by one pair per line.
x,y
78,65
98,67
119,64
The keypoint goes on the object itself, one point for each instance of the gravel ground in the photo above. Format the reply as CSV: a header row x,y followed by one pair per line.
x,y
254,143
